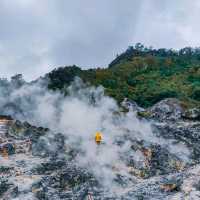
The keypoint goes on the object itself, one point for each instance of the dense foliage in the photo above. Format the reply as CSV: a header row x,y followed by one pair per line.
x,y
145,75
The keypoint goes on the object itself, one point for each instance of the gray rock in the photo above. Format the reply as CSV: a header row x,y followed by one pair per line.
x,y
165,167
8,148
131,105
165,110
192,114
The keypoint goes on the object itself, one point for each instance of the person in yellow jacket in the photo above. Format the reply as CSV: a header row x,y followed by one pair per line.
x,y
98,137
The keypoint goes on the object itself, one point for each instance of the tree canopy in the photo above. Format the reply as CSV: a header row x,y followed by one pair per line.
x,y
143,74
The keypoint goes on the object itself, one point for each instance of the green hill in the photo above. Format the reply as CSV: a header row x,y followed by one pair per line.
x,y
145,75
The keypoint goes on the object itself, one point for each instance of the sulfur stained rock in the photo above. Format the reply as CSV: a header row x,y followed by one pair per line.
x,y
7,148
147,153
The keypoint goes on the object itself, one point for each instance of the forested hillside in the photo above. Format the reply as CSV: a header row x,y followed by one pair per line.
x,y
142,74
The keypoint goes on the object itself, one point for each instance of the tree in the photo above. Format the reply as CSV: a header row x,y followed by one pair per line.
x,y
17,80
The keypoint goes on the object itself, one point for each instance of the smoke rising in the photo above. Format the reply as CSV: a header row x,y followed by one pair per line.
x,y
84,111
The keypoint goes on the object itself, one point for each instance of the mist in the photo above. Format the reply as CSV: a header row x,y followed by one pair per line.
x,y
79,115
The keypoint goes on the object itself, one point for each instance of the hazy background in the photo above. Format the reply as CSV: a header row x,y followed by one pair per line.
x,y
37,36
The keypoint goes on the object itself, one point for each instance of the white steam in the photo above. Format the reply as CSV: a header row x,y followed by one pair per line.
x,y
84,111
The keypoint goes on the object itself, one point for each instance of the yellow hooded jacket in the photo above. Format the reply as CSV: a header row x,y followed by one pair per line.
x,y
98,137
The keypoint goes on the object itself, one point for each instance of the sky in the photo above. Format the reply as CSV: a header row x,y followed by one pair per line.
x,y
37,36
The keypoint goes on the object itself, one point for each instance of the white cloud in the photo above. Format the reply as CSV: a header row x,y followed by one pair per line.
x,y
170,24
37,36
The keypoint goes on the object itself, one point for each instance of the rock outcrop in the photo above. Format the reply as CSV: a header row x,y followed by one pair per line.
x,y
37,163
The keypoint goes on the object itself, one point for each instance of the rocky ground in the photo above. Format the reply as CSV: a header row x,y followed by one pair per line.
x,y
165,166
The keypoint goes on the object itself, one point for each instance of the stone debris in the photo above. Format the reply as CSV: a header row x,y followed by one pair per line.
x,y
168,187
35,166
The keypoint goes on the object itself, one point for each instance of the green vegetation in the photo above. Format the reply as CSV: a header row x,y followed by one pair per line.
x,y
145,75
144,114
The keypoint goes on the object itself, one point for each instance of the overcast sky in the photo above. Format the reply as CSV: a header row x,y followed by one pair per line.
x,y
39,35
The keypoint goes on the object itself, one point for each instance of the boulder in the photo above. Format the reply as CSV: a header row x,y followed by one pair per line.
x,y
192,114
131,105
166,110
